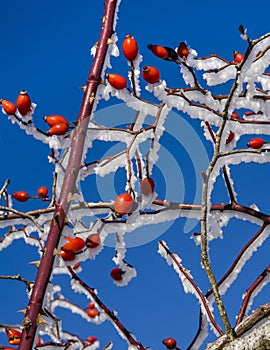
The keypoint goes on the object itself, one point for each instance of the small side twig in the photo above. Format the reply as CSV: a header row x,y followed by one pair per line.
x,y
19,278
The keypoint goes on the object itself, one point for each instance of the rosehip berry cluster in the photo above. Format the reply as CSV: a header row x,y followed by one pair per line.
x,y
91,311
74,245
59,125
23,104
23,196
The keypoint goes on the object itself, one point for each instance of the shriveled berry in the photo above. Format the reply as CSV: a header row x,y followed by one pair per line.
x,y
230,137
116,273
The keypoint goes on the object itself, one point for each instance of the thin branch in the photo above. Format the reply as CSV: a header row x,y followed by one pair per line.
x,y
249,293
22,215
205,209
19,278
202,298
238,258
4,188
109,313
224,168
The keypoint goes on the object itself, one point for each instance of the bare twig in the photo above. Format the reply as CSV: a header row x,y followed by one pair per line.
x,y
4,188
19,278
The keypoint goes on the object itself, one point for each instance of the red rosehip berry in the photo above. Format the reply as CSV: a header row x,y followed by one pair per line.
x,y
163,52
91,305
8,107
238,57
256,143
51,120
117,81
182,50
130,48
67,256
73,244
158,51
150,74
76,266
235,115
21,196
58,129
116,273
123,204
170,343
147,186
92,313
91,339
42,192
23,103
92,241
38,342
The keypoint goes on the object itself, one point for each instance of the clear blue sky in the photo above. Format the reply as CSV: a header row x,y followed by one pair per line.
x,y
45,49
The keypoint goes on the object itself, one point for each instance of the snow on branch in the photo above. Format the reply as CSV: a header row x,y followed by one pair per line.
x,y
188,284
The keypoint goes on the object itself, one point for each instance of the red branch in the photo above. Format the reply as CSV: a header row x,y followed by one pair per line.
x,y
30,321
249,292
194,285
237,259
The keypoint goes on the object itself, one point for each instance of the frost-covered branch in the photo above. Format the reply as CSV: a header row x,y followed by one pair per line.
x,y
121,329
189,284
251,292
